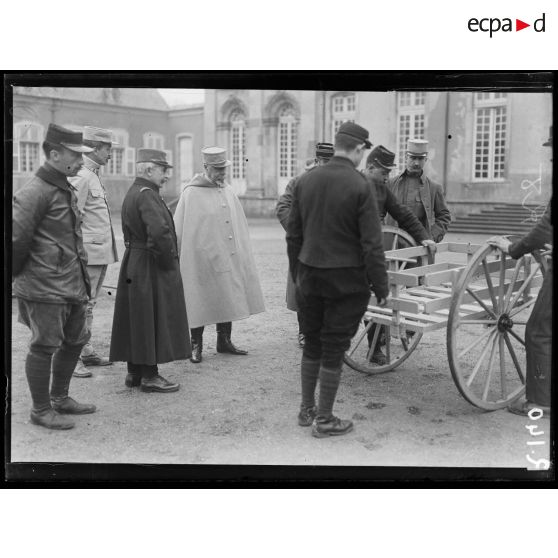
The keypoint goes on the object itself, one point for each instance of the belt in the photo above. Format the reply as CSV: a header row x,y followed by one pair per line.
x,y
136,245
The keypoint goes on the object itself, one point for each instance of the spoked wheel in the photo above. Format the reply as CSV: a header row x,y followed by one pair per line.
x,y
362,355
490,305
394,239
372,345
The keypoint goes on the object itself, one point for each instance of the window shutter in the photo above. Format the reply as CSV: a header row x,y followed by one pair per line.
x,y
130,167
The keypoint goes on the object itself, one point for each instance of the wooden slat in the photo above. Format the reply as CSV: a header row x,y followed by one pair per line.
x,y
402,278
462,248
442,277
421,317
406,323
405,305
425,270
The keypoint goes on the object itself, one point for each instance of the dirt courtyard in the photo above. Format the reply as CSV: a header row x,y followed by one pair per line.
x,y
242,410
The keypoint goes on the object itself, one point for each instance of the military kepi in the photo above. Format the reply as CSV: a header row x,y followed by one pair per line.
x,y
92,133
57,135
215,156
153,156
355,131
324,150
417,147
382,157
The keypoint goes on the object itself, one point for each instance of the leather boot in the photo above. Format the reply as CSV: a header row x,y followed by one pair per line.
x,y
197,344
224,343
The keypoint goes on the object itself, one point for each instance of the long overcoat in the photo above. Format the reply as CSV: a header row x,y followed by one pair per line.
x,y
282,210
150,325
219,273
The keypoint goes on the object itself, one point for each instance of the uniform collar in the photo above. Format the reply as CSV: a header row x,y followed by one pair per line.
x,y
90,164
341,160
140,181
420,178
49,174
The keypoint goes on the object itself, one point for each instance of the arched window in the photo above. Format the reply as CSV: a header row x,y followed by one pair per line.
x,y
288,135
28,137
238,145
343,109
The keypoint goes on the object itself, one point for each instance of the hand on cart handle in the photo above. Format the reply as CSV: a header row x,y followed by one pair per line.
x,y
382,302
501,242
430,244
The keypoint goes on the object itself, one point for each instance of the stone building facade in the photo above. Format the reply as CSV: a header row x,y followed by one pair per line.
x,y
485,147
138,117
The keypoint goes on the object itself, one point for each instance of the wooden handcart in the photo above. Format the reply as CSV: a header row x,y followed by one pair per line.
x,y
481,295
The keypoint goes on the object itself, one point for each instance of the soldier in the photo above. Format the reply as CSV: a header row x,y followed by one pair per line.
x,y
51,281
334,243
324,152
424,197
221,282
96,226
538,331
150,325
379,164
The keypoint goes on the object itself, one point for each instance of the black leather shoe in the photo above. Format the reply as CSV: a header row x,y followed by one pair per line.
x,y
51,419
69,406
307,415
196,352
158,384
333,427
225,345
378,357
132,380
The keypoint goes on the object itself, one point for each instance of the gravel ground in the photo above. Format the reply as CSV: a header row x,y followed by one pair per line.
x,y
242,410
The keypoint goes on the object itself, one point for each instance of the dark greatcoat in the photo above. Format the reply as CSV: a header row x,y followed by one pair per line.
x,y
150,325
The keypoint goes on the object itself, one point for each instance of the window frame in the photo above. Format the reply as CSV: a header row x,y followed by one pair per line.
x,y
345,114
496,101
19,138
415,111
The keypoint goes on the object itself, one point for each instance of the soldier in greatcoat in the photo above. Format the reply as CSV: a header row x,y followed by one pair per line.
x,y
220,278
150,325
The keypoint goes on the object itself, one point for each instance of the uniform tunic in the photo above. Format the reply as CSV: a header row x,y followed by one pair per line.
x,y
98,234
427,201
150,325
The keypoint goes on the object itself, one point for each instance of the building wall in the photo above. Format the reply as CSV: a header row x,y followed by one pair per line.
x,y
137,122
449,123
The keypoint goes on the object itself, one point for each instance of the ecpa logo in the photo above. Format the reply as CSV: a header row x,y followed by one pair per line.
x,y
494,24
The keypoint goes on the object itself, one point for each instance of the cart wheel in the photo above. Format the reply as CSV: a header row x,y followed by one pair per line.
x,y
369,337
490,305
395,346
394,239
